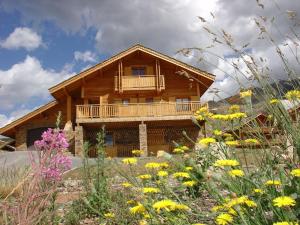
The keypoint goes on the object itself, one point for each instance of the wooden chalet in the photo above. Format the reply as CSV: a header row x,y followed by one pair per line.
x,y
137,94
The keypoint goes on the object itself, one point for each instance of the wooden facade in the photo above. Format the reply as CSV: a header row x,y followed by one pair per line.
x,y
137,90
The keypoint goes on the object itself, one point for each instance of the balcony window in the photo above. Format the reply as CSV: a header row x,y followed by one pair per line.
x,y
149,100
138,71
182,104
109,141
125,101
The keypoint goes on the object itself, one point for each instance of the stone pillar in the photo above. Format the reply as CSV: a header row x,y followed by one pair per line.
x,y
143,139
78,141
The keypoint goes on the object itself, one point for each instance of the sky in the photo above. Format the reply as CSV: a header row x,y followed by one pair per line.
x,y
43,42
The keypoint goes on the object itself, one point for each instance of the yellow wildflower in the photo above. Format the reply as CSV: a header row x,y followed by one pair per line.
x,y
168,205
143,222
284,201
126,184
188,168
129,161
285,223
244,94
293,95
178,150
232,143
224,219
250,203
217,132
207,141
273,182
152,165
129,202
226,162
295,172
145,176
234,108
240,201
162,173
220,117
109,215
189,183
181,174
274,101
139,208
257,190
238,115
164,165
137,152
217,208
150,190
251,141
236,173
199,117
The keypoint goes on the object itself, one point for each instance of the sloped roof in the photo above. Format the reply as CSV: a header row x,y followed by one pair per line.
x,y
122,54
28,116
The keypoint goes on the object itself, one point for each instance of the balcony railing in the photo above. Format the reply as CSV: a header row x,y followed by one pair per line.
x,y
152,110
145,82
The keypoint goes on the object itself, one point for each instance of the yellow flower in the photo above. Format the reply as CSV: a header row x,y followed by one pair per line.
x,y
251,141
143,222
189,183
150,190
226,162
181,174
188,168
162,173
164,165
220,117
217,208
284,201
152,165
168,205
293,95
274,101
199,117
244,94
129,202
139,208
109,215
217,132
224,219
126,184
232,143
240,201
145,176
236,173
257,190
178,150
234,108
273,182
285,223
207,141
129,161
137,152
237,115
295,172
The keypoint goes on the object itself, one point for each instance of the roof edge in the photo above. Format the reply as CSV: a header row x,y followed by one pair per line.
x,y
124,53
28,116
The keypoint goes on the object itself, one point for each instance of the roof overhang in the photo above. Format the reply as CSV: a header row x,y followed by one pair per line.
x,y
79,77
4,130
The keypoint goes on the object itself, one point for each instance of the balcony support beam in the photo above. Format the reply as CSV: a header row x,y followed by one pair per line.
x,y
143,139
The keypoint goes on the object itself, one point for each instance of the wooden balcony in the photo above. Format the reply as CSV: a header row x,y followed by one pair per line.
x,y
135,112
145,82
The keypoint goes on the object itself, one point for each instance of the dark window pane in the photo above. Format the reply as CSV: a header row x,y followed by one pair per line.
x,y
109,141
138,71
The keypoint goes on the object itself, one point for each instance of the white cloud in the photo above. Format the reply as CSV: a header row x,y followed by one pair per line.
x,y
25,81
86,56
22,37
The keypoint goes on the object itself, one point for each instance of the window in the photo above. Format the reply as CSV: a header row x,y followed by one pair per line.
x,y
138,71
125,101
109,140
182,104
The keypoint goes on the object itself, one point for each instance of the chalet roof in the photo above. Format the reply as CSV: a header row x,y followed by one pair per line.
x,y
28,116
124,53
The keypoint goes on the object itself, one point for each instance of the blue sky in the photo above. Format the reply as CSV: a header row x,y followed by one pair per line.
x,y
43,42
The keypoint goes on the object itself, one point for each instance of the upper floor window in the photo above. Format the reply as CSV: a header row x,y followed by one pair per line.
x,y
182,104
149,100
138,71
125,101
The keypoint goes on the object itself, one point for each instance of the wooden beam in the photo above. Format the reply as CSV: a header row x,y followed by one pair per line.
x,y
198,90
69,108
82,91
